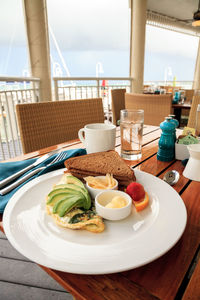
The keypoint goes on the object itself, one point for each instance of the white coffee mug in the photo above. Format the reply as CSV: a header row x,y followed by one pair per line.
x,y
98,137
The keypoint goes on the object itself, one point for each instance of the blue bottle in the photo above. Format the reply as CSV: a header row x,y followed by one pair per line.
x,y
176,123
166,150
176,98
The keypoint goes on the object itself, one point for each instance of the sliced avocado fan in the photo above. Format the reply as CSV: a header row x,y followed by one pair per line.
x,y
53,196
77,188
65,197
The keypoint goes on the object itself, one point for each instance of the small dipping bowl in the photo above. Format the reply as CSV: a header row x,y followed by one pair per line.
x,y
112,214
94,192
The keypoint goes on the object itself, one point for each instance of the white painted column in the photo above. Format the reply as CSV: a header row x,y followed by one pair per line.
x,y
137,43
196,82
35,14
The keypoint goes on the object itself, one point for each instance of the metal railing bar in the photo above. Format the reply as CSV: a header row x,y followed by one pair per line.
x,y
22,100
92,78
1,112
70,93
16,126
75,93
2,150
5,132
9,121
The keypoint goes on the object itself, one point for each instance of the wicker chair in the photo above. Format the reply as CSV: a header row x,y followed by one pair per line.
x,y
193,110
185,112
50,123
118,103
156,107
189,95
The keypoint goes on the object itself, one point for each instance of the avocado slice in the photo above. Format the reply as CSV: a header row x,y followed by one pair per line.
x,y
60,202
74,180
55,198
68,204
84,191
59,191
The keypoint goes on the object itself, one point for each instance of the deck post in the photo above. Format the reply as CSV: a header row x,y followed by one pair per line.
x,y
35,15
196,81
137,43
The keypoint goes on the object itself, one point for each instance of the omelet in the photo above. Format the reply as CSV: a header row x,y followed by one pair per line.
x,y
78,219
80,214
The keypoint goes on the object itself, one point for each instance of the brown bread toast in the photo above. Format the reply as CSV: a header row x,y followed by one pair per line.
x,y
101,163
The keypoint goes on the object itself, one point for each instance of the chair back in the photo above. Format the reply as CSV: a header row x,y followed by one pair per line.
x,y
118,103
156,107
49,123
193,110
189,95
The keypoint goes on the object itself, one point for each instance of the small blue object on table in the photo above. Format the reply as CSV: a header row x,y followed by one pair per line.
x,y
9,168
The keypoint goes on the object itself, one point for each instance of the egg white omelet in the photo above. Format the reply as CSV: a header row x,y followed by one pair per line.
x,y
77,217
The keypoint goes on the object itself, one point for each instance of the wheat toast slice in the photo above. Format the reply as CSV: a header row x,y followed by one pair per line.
x,y
101,163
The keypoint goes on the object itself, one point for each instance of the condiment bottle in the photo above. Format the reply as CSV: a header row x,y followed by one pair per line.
x,y
166,150
176,98
197,121
176,123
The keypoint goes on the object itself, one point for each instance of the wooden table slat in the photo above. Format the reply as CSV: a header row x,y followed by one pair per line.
x,y
193,289
106,287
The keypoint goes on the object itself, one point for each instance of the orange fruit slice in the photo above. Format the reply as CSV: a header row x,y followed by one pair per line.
x,y
140,205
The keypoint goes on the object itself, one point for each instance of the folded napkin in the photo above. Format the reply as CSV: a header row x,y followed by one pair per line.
x,y
9,168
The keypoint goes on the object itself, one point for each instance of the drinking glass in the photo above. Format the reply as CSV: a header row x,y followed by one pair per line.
x,y
131,126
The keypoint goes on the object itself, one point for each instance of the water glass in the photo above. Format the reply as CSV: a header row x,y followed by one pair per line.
x,y
131,126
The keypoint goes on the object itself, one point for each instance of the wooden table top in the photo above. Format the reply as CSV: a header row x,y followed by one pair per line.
x,y
175,275
182,105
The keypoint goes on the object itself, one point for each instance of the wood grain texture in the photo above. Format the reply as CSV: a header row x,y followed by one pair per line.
x,y
147,151
149,128
147,138
154,166
146,129
14,291
193,290
100,287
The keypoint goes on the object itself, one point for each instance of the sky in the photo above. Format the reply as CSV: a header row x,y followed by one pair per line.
x,y
167,49
88,32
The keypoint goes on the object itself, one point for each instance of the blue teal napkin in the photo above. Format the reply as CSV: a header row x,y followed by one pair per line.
x,y
9,168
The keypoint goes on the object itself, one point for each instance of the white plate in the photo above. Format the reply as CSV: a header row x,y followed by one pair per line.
x,y
126,244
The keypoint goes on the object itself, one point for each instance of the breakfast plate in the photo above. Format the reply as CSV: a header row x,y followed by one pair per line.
x,y
135,241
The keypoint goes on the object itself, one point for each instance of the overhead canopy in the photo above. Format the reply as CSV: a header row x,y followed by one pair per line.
x,y
171,23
